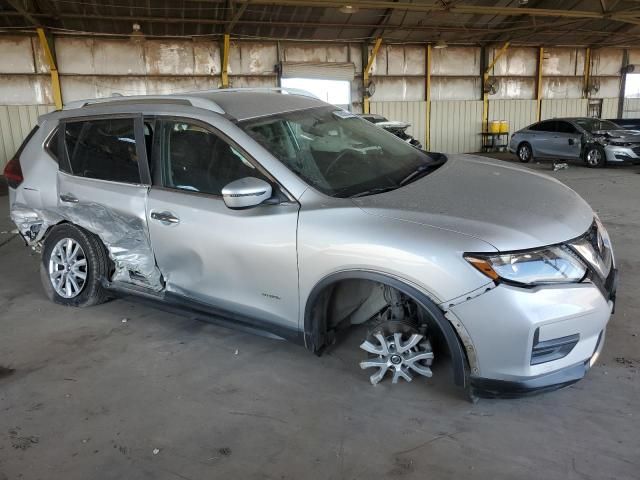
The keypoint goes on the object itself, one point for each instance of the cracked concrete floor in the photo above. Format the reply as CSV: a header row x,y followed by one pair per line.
x,y
165,397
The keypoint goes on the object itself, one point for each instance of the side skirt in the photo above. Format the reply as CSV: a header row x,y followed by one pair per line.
x,y
185,306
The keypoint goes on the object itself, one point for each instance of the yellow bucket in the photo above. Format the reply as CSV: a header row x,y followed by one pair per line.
x,y
494,126
504,126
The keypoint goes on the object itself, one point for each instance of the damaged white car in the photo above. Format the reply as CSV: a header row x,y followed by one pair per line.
x,y
596,142
282,213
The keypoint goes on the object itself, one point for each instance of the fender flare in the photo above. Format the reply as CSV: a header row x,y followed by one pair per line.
x,y
314,336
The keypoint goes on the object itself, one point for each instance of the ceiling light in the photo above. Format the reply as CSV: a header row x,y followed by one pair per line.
x,y
523,2
440,44
348,9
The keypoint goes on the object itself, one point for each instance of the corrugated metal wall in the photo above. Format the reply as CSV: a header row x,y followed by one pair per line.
x,y
568,107
609,108
456,126
15,123
413,112
631,108
519,113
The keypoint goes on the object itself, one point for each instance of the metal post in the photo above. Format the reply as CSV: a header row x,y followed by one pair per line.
x,y
427,96
55,79
224,76
539,84
623,83
367,71
587,71
485,94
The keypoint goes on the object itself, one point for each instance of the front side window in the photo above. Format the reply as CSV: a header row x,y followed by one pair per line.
x,y
592,125
197,160
103,149
339,153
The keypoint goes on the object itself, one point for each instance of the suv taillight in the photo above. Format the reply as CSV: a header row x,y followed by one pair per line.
x,y
13,172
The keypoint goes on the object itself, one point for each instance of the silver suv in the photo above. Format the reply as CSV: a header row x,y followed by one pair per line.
x,y
279,212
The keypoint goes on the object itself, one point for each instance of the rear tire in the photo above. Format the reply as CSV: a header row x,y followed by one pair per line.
x,y
524,152
74,262
595,156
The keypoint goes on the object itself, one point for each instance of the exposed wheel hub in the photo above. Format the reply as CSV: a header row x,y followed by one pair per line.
x,y
401,352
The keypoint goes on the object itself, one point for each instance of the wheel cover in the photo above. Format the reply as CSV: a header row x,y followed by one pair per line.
x,y
594,156
401,353
524,154
67,268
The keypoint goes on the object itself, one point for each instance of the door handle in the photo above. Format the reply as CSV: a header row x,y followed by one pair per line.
x,y
165,217
68,197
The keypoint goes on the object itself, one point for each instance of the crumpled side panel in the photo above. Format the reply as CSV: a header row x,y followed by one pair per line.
x,y
125,237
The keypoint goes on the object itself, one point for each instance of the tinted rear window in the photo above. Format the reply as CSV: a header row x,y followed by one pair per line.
x,y
103,149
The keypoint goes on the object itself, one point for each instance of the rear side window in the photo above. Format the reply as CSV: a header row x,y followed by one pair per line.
x,y
103,149
548,126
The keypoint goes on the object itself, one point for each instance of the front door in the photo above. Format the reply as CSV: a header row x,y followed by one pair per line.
x,y
240,261
565,142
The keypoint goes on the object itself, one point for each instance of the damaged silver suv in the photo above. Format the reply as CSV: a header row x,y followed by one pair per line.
x,y
275,211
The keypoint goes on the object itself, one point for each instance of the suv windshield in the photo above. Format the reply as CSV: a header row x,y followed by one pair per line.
x,y
339,153
595,124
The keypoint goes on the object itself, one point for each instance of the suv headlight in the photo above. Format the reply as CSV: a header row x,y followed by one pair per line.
x,y
557,264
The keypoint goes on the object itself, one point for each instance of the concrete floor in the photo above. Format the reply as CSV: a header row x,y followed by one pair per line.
x,y
93,397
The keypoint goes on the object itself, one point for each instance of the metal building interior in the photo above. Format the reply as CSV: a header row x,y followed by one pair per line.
x,y
124,390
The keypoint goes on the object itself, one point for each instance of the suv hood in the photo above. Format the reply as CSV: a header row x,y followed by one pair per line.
x,y
506,206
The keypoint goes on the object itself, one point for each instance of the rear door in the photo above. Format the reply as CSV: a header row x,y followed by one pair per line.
x,y
239,261
541,138
102,186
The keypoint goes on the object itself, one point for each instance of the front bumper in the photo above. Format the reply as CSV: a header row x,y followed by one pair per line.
x,y
622,155
505,323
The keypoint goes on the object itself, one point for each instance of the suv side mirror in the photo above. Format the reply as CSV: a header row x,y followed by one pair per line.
x,y
246,193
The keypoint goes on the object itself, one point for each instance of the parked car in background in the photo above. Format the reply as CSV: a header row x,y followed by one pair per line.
x,y
399,129
627,123
595,141
286,214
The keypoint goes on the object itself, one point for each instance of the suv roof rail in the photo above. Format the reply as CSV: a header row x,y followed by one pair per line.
x,y
195,99
182,99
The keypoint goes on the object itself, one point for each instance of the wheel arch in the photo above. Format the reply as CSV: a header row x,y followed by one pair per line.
x,y
316,334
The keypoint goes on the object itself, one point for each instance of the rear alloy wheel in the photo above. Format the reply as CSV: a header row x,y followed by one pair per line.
x,y
397,348
74,263
594,156
525,154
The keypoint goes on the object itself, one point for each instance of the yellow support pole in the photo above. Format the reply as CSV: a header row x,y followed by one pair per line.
x,y
427,96
587,71
485,94
367,71
55,79
225,61
539,84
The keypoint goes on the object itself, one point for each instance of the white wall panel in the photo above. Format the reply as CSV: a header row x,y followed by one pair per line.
x,y
609,108
118,57
398,89
564,108
562,87
606,61
412,112
609,87
519,113
17,55
523,88
456,126
25,89
631,108
515,62
455,88
455,61
563,62
15,123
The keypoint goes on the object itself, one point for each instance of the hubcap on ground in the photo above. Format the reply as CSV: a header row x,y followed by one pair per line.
x,y
399,352
67,268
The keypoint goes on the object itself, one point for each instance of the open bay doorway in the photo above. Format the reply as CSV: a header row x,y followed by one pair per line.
x,y
336,92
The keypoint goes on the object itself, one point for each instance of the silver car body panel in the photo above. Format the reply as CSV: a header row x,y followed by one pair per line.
x,y
266,261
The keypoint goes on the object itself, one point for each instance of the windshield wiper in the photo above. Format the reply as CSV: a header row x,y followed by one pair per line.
x,y
373,191
421,171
